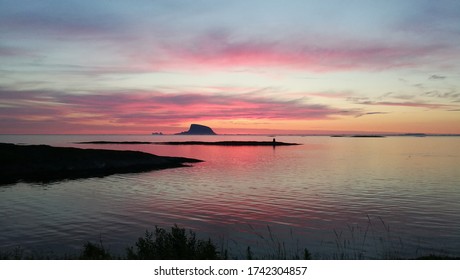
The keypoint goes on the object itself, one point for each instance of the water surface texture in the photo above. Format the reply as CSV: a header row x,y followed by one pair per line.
x,y
338,197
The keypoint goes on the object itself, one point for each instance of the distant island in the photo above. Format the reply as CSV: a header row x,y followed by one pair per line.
x,y
360,136
229,143
198,129
116,142
415,134
203,143
41,163
368,136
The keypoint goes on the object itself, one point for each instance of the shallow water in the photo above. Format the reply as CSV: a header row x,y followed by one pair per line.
x,y
338,197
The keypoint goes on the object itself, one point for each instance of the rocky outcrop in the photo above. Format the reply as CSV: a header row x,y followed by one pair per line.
x,y
198,129
218,143
38,163
229,143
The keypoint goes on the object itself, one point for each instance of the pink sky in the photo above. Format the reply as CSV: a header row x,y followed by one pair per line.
x,y
258,67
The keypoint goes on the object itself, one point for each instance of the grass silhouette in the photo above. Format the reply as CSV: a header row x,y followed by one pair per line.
x,y
160,244
177,243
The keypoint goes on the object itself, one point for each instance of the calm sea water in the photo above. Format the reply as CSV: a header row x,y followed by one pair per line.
x,y
338,197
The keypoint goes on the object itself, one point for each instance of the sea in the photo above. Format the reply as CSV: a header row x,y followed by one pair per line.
x,y
334,197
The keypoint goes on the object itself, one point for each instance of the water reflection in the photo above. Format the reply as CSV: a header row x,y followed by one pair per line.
x,y
304,195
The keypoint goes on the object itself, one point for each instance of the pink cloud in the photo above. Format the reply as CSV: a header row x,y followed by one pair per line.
x,y
177,107
143,110
220,51
407,104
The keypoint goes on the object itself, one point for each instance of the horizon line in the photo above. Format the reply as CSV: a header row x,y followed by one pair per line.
x,y
253,134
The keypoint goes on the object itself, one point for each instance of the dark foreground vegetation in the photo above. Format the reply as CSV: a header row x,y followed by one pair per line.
x,y
182,244
177,244
160,244
42,163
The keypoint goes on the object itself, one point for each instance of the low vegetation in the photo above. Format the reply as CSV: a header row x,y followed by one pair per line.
x,y
178,244
181,244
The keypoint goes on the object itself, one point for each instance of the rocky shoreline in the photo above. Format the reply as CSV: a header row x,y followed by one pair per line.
x,y
218,143
42,163
230,143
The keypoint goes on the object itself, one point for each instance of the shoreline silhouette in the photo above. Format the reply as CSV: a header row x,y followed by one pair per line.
x,y
43,163
217,143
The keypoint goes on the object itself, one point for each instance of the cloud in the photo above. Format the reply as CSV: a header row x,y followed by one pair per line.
x,y
446,95
7,51
66,20
432,20
407,100
180,107
330,94
406,104
370,113
162,37
144,109
436,77
224,50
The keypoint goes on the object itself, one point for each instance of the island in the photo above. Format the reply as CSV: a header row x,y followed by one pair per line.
x,y
42,163
198,129
359,135
116,142
229,143
415,134
204,143
368,136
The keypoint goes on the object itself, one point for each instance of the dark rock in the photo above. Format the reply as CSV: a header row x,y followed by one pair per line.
x,y
198,129
368,136
115,142
41,163
229,143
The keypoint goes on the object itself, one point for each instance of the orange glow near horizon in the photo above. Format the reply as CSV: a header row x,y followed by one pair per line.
x,y
287,73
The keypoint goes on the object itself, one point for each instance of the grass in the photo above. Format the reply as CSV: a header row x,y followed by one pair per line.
x,y
178,244
274,248
160,244
374,240
17,253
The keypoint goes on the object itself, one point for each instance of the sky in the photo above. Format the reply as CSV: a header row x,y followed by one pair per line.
x,y
249,66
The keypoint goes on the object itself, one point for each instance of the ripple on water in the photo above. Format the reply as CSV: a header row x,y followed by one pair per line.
x,y
301,193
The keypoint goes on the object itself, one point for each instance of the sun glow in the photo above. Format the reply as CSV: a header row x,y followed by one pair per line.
x,y
287,72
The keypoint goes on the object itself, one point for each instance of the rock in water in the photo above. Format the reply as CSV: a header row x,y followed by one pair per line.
x,y
41,163
198,129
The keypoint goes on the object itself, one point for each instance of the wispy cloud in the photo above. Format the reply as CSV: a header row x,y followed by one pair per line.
x,y
7,51
429,100
143,109
370,113
437,77
221,51
452,94
67,20
406,104
100,64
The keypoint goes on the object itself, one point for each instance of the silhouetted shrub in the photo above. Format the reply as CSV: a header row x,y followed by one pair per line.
x,y
93,251
175,245
17,253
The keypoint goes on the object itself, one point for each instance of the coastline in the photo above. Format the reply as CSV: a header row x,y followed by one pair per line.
x,y
203,143
43,163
